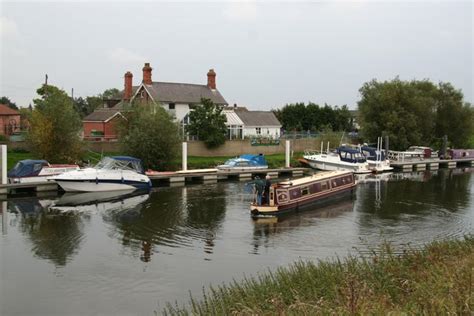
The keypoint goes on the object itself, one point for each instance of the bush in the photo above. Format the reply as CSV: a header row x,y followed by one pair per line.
x,y
149,133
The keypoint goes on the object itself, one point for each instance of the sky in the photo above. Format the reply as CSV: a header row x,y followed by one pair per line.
x,y
266,54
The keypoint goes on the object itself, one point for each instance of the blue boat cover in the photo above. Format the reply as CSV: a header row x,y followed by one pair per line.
x,y
258,160
27,168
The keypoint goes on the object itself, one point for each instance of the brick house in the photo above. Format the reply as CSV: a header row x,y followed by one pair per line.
x,y
176,98
9,120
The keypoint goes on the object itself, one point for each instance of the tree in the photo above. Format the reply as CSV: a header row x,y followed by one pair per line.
x,y
55,126
454,118
301,117
208,123
112,93
149,133
8,102
413,113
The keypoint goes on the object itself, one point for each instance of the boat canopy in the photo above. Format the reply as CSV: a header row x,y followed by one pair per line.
x,y
27,168
249,160
349,154
121,162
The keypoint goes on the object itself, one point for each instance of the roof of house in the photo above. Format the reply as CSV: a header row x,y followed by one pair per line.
x,y
169,92
5,110
258,118
232,118
100,115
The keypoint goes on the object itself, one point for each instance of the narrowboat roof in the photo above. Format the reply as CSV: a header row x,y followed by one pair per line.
x,y
315,177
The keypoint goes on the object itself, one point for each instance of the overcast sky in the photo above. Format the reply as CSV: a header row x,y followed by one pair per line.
x,y
265,54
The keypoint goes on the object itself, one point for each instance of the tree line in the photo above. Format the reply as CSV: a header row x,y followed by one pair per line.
x,y
313,117
416,112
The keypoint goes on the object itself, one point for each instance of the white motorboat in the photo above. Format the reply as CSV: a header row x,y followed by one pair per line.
x,y
376,157
110,174
29,170
345,158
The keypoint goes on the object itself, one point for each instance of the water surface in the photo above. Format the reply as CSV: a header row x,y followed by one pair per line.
x,y
131,254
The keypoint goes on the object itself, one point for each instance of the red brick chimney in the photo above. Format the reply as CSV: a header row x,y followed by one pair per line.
x,y
147,74
211,79
127,91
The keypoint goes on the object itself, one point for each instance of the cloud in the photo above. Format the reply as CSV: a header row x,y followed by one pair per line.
x,y
8,28
123,55
241,11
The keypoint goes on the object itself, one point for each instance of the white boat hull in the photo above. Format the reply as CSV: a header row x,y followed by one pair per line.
x,y
99,180
82,186
333,163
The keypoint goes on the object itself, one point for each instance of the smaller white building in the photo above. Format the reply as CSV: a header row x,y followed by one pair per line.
x,y
243,123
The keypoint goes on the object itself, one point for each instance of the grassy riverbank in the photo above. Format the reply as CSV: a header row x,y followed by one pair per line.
x,y
438,279
274,161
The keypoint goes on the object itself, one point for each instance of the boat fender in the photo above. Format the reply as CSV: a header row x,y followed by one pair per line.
x,y
122,180
96,180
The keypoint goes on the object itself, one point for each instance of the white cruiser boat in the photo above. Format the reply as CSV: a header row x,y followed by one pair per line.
x,y
376,157
29,170
110,174
344,159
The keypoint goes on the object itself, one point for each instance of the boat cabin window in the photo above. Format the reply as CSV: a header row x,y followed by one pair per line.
x,y
324,186
242,164
37,167
305,191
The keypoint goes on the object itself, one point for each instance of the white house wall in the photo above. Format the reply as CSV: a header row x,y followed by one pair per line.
x,y
266,131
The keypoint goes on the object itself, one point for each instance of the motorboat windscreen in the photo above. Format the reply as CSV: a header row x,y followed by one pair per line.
x,y
122,163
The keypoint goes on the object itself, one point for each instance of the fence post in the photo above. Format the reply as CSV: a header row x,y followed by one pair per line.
x,y
185,156
4,164
287,154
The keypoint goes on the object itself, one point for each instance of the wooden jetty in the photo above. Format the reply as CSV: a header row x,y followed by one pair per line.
x,y
167,178
431,164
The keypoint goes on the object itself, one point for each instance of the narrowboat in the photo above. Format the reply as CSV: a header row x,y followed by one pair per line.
x,y
305,193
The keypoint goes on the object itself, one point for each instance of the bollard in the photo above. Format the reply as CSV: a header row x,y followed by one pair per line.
x,y
287,154
4,164
185,156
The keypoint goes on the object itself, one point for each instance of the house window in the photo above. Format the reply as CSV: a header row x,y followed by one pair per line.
x,y
171,106
258,130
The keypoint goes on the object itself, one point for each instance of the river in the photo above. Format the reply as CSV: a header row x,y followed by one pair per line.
x,y
131,254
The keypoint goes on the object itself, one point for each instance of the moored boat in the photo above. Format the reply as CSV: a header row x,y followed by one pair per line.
x,y
305,193
110,174
29,170
245,162
345,158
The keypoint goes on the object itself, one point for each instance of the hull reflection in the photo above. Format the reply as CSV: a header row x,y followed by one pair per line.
x,y
99,201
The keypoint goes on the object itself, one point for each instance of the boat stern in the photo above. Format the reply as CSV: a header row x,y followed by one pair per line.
x,y
263,210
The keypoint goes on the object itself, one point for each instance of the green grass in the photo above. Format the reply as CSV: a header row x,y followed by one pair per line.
x,y
437,279
194,162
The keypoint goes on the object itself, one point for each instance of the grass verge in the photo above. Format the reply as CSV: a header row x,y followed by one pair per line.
x,y
437,279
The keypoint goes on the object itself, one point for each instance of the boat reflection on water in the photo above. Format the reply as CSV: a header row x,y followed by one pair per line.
x,y
265,227
94,202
